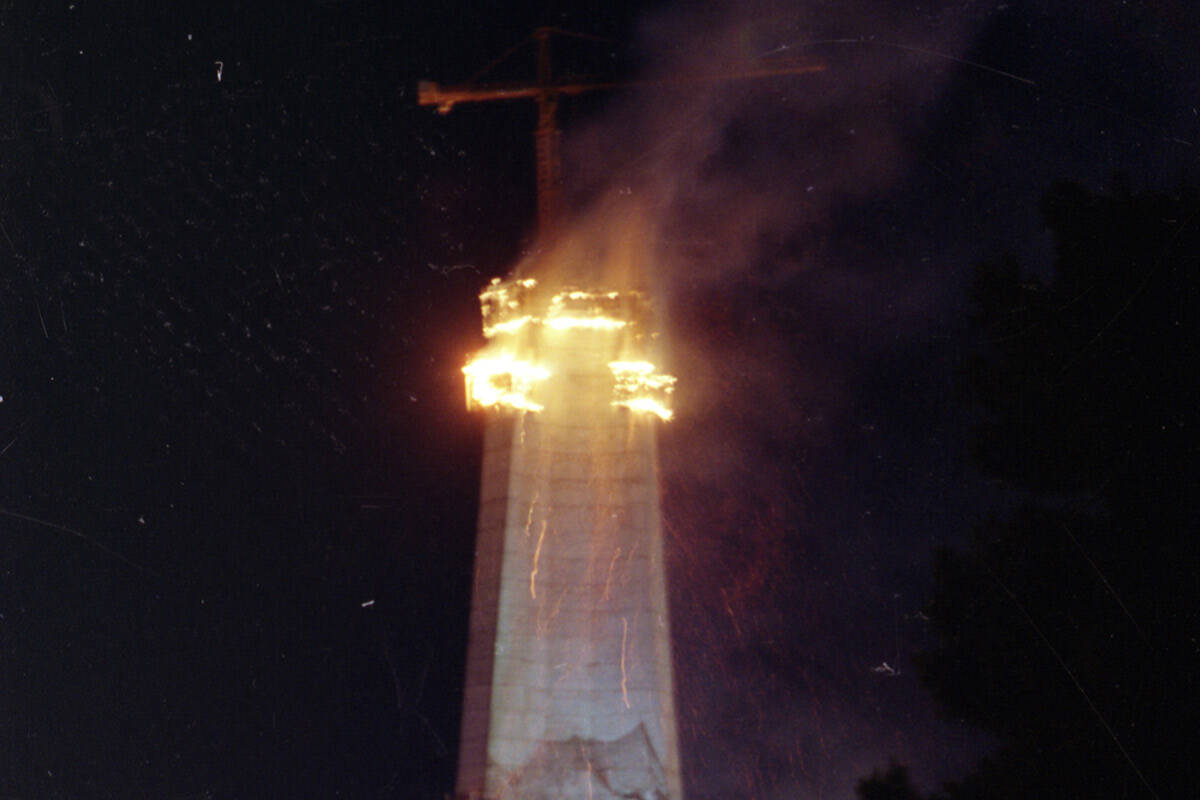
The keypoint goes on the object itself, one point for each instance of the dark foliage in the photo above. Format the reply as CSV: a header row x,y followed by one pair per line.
x,y
894,784
1069,628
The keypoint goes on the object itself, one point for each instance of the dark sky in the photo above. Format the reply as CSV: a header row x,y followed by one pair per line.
x,y
237,281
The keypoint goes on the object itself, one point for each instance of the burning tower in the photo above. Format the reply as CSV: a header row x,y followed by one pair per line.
x,y
569,686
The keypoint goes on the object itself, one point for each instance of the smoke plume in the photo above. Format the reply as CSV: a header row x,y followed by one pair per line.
x,y
751,200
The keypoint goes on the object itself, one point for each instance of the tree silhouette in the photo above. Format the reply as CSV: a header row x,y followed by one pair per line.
x,y
1068,629
894,784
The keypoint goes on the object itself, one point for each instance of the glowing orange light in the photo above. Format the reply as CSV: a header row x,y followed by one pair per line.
x,y
517,313
565,323
502,381
639,388
646,405
508,326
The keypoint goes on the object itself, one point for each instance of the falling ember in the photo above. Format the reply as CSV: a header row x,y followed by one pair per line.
x,y
624,675
537,554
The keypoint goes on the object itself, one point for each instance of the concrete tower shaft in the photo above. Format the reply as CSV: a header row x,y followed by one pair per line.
x,y
569,690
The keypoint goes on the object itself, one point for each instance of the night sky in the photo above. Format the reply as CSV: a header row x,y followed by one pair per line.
x,y
238,279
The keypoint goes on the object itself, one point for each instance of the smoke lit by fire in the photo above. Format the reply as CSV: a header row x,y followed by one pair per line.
x,y
732,205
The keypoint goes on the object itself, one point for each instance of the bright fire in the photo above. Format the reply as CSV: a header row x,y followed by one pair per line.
x,y
502,381
516,313
636,386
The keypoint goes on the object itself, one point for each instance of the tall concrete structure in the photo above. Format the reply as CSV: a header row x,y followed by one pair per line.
x,y
569,681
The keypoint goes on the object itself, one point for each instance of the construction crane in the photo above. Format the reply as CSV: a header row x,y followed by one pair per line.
x,y
546,91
